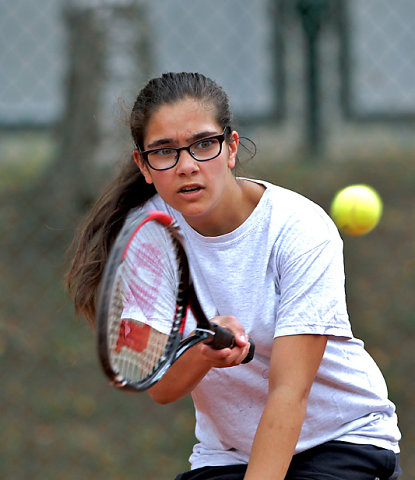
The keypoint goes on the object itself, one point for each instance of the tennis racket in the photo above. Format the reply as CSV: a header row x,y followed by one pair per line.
x,y
146,293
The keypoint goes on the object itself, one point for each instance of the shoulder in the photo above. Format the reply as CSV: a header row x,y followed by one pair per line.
x,y
154,203
297,226
292,214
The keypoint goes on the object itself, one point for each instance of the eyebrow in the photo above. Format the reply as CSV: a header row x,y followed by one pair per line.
x,y
171,141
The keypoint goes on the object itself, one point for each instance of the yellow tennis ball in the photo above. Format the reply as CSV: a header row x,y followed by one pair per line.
x,y
356,210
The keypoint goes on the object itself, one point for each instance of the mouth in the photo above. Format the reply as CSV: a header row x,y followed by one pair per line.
x,y
190,188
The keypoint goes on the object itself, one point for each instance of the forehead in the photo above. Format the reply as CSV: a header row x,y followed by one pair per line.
x,y
181,119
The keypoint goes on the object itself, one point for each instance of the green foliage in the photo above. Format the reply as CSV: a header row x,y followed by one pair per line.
x,y
23,158
60,419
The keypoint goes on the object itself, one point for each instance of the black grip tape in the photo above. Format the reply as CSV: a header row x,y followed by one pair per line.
x,y
224,338
251,352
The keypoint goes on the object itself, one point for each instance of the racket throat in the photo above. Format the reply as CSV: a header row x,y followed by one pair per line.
x,y
205,333
198,336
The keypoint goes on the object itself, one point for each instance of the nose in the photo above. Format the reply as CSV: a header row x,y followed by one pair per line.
x,y
186,164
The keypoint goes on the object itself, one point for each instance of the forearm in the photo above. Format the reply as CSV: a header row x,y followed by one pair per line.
x,y
181,378
186,373
276,436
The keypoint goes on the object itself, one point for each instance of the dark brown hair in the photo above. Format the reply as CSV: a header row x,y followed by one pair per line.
x,y
129,190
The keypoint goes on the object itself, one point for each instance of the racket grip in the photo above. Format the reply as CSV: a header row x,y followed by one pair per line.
x,y
224,338
251,352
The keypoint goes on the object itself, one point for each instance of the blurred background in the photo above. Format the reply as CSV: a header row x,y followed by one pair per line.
x,y
325,88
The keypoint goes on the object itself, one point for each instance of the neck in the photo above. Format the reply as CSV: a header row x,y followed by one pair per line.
x,y
239,205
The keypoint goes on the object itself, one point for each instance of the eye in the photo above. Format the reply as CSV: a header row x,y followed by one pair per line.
x,y
205,144
164,152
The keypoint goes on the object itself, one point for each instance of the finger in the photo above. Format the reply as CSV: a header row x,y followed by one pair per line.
x,y
232,324
213,354
241,339
225,357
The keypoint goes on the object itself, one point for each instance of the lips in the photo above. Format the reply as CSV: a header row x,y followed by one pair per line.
x,y
190,188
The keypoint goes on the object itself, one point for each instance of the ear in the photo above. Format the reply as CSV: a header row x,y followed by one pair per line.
x,y
138,159
233,143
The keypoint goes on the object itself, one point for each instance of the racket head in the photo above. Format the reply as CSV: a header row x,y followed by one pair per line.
x,y
143,301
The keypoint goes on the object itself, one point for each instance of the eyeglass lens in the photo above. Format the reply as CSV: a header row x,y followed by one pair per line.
x,y
201,150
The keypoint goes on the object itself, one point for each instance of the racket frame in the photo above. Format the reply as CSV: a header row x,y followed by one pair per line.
x,y
212,334
175,346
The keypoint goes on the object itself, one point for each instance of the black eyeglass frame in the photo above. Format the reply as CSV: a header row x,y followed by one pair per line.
x,y
219,136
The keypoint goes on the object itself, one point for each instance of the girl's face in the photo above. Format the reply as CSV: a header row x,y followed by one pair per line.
x,y
201,191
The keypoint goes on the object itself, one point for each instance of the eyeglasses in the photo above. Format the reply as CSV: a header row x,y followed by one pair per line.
x,y
202,150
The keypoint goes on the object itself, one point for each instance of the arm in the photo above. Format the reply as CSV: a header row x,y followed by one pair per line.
x,y
294,364
185,374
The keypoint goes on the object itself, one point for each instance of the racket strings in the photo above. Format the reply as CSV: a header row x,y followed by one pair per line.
x,y
143,312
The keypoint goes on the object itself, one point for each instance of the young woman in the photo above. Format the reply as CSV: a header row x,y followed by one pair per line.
x,y
266,263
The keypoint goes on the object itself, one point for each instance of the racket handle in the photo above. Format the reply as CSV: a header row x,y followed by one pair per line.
x,y
224,338
251,352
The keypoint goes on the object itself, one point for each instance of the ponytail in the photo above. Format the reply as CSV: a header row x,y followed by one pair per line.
x,y
97,234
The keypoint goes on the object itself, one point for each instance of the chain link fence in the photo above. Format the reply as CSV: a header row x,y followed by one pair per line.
x,y
324,87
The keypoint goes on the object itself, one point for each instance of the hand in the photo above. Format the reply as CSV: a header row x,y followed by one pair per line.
x,y
227,357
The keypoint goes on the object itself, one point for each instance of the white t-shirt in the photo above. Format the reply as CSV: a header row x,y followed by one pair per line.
x,y
281,273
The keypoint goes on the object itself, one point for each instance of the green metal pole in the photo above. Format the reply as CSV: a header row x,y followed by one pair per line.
x,y
313,13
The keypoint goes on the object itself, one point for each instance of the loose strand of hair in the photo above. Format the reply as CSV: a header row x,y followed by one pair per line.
x,y
97,234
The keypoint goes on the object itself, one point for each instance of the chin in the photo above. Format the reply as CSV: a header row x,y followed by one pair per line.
x,y
193,213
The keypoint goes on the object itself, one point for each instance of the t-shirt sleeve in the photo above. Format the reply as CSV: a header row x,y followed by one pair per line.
x,y
310,281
